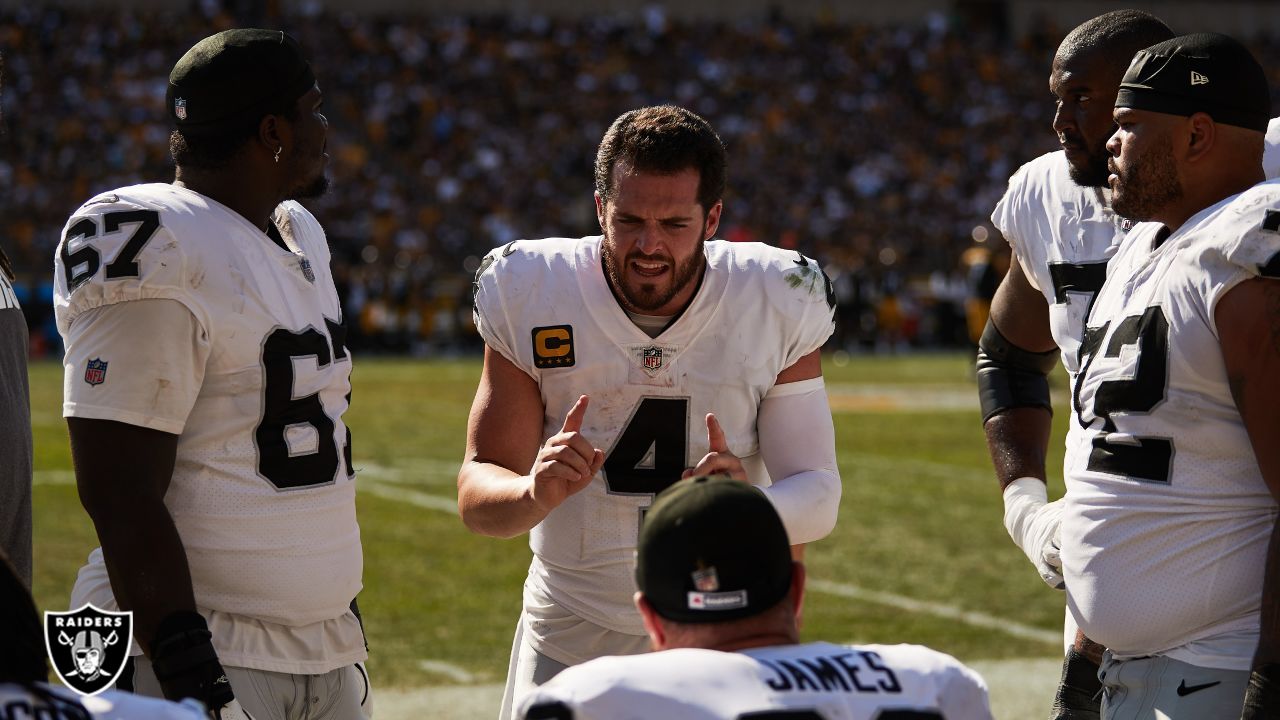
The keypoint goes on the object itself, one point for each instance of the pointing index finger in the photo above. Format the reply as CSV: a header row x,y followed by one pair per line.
x,y
573,421
715,435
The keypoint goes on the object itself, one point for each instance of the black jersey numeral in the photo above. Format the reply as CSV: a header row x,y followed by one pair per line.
x,y
83,264
658,428
1141,458
282,410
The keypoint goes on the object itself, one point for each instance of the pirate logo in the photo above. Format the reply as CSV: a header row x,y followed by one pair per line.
x,y
88,646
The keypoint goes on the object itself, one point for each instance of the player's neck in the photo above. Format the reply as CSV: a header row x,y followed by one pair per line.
x,y
232,190
764,639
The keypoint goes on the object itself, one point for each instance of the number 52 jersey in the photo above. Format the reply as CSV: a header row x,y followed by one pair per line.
x,y
1165,529
263,493
545,306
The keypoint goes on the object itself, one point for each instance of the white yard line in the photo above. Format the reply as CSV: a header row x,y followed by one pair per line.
x,y
413,497
449,670
54,477
942,610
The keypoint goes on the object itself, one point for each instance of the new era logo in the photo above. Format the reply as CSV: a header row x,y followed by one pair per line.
x,y
1198,79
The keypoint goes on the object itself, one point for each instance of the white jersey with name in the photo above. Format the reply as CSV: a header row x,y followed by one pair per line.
x,y
263,492
1063,235
49,702
1165,528
545,306
817,680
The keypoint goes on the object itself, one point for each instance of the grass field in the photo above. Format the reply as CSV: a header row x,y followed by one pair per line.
x,y
919,554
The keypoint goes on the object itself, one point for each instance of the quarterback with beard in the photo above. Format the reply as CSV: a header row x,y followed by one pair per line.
x,y
615,364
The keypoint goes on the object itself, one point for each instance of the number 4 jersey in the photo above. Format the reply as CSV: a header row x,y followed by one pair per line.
x,y
248,368
1164,536
814,681
545,306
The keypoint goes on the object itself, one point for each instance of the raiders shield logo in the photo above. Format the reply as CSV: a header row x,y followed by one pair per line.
x,y
88,647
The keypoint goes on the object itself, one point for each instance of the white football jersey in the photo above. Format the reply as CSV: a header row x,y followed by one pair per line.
x,y
1063,235
817,680
1165,528
1271,155
263,491
50,702
545,305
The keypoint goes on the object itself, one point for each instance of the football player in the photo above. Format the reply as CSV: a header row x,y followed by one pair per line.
x,y
205,382
615,363
1170,545
1057,217
720,596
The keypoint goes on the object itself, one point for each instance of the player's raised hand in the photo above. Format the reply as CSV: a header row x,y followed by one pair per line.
x,y
566,462
719,460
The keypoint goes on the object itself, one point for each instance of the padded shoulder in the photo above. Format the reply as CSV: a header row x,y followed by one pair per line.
x,y
794,285
510,276
1249,230
122,246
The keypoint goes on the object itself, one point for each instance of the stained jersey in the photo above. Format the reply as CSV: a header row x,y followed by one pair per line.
x,y
545,306
1063,235
263,492
1165,528
49,702
818,680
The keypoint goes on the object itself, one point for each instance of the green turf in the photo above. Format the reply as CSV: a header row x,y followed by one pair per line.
x,y
920,517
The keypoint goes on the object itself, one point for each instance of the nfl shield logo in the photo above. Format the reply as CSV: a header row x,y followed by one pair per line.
x,y
652,357
706,580
180,108
307,272
96,371
88,646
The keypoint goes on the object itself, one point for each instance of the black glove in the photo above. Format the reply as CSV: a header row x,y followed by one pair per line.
x,y
1080,691
1262,698
185,663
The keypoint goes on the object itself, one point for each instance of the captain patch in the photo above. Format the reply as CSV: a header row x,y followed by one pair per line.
x,y
553,346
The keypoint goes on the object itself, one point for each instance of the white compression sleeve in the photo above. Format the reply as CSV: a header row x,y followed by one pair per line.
x,y
798,446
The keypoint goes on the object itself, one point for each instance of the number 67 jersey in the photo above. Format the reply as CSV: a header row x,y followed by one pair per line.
x,y
248,369
1165,531
545,305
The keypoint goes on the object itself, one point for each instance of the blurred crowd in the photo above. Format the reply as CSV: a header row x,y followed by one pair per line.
x,y
879,151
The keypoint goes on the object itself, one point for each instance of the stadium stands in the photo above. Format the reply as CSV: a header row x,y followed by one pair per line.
x,y
877,149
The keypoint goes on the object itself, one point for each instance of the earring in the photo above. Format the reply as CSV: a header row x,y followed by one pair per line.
x,y
279,149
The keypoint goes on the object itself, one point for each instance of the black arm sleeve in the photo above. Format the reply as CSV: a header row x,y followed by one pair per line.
x,y
1010,377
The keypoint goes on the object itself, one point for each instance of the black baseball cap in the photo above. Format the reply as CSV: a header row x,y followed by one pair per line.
x,y
712,549
1201,72
229,80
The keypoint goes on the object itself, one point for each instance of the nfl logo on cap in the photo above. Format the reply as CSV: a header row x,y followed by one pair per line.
x,y
95,373
180,108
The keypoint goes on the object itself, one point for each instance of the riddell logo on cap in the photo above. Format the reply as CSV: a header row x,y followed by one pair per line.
x,y
180,108
1198,79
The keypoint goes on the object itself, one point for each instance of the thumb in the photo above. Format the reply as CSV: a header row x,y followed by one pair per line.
x,y
573,421
715,436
